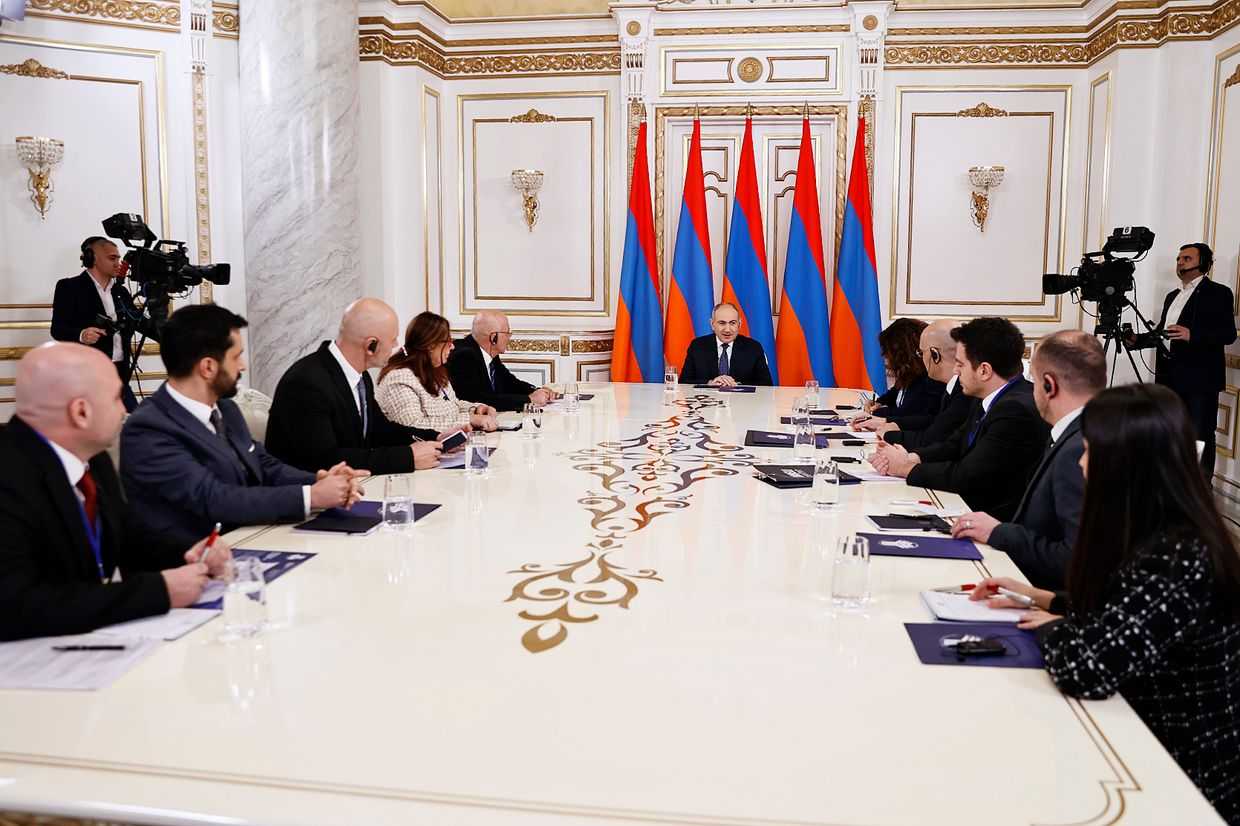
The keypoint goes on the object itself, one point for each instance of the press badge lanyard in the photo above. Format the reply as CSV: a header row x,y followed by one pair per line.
x,y
94,533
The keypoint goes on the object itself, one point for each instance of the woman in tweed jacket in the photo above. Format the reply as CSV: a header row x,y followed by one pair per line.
x,y
1153,602
414,389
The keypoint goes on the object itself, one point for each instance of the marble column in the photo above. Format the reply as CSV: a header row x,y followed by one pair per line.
x,y
299,145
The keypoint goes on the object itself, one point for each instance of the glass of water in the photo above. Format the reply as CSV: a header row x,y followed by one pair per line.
x,y
245,598
670,379
825,492
850,572
477,454
571,397
803,440
811,394
531,420
397,502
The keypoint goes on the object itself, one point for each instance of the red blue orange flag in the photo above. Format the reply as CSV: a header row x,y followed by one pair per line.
x,y
802,343
691,289
744,280
856,316
638,351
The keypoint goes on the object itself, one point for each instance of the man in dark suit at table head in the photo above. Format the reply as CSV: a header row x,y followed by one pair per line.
x,y
1068,370
725,358
991,457
938,353
479,375
65,530
324,410
187,457
96,291
1198,321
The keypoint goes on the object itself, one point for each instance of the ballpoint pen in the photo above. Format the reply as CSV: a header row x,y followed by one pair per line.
x,y
1018,598
88,648
215,534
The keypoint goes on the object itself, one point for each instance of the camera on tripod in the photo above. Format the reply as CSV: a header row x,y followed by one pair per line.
x,y
1104,277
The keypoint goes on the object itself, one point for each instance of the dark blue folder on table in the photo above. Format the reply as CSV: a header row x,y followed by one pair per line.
x,y
740,388
1020,647
275,565
361,518
776,438
926,547
818,420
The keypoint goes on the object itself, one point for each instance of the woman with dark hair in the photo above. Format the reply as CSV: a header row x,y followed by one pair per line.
x,y
1152,608
414,389
912,394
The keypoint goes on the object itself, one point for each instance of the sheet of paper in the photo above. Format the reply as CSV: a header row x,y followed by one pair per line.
x,y
170,626
34,664
959,608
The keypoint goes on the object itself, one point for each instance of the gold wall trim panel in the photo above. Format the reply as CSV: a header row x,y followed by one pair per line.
x,y
226,20
423,54
414,26
598,345
1196,23
716,31
141,14
202,178
982,110
1218,118
533,116
33,68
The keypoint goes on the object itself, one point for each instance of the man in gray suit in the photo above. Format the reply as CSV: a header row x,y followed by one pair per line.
x,y
1068,370
187,457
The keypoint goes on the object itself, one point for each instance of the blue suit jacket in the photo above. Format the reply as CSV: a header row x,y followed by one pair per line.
x,y
181,478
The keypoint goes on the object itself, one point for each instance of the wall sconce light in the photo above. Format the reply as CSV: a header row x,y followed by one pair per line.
x,y
984,179
528,182
39,155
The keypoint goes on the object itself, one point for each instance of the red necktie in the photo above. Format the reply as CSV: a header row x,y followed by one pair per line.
x,y
87,486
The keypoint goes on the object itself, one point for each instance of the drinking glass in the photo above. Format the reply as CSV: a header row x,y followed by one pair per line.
x,y
811,393
397,502
850,572
477,454
803,440
245,598
531,420
670,379
825,492
571,400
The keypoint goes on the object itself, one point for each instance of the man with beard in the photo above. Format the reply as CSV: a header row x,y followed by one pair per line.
x,y
187,457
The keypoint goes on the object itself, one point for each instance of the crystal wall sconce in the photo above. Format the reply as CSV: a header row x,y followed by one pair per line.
x,y
39,155
984,179
528,182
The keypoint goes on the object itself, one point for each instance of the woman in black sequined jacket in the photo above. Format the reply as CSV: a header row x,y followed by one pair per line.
x,y
1152,609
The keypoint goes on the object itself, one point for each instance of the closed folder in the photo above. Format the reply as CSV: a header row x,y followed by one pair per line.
x,y
794,476
363,517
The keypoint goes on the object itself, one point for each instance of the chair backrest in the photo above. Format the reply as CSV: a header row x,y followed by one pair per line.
x,y
255,408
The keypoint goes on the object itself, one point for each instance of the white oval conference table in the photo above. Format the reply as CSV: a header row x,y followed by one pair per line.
x,y
619,625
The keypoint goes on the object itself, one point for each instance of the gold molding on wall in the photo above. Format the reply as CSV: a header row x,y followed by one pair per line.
x,y
423,54
1218,117
427,94
1065,155
33,68
1104,78
716,31
226,20
156,15
202,178
1100,39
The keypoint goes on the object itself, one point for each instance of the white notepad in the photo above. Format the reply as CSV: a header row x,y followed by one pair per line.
x,y
959,608
170,626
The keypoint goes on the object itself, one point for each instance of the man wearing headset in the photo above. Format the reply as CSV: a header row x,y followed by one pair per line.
x,y
1198,321
478,374
97,291
324,410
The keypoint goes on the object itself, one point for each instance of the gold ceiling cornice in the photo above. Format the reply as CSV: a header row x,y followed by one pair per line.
x,y
157,15
1101,38
418,52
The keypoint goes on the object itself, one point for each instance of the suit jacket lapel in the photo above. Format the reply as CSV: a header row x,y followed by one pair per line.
x,y
1048,457
346,395
192,426
61,493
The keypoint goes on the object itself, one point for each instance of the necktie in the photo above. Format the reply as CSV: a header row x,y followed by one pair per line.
x,y
723,361
361,403
493,367
91,496
217,421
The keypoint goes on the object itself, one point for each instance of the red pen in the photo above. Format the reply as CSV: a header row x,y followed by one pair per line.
x,y
957,589
215,534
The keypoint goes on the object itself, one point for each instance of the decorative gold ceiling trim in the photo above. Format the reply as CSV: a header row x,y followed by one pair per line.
x,y
419,53
730,30
1197,23
949,31
33,68
146,14
419,28
226,20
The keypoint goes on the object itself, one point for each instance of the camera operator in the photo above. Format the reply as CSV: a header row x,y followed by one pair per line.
x,y
84,302
1198,322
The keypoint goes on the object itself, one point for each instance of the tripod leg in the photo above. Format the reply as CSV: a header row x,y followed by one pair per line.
x,y
1132,360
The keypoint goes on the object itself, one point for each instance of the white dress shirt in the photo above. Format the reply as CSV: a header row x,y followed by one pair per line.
x,y
951,383
990,399
1062,425
486,362
109,309
1177,303
74,467
202,412
351,376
